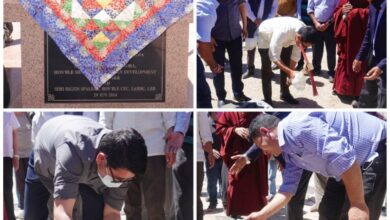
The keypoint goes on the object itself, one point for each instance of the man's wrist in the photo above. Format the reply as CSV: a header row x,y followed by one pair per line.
x,y
16,156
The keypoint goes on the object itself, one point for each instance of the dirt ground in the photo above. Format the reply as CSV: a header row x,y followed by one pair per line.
x,y
219,213
253,88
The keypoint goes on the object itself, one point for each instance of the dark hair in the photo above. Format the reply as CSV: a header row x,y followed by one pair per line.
x,y
308,34
124,149
262,121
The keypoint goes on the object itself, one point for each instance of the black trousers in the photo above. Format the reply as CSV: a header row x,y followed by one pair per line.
x,y
150,185
373,94
183,183
234,49
295,206
327,38
203,93
8,183
335,205
266,72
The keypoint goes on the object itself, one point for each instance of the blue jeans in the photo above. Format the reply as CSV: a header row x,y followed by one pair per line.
x,y
272,168
213,178
36,197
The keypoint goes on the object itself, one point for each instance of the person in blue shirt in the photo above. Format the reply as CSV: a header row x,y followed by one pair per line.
x,y
321,13
206,16
373,48
227,35
348,147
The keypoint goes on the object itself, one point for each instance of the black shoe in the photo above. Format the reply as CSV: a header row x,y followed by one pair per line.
x,y
241,98
289,99
248,73
269,102
212,207
221,103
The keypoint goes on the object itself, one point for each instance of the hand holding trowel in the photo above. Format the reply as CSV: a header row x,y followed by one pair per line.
x,y
309,69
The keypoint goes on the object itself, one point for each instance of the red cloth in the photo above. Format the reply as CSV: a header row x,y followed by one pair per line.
x,y
247,192
349,35
4,211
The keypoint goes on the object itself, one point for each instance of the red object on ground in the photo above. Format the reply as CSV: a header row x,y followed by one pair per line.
x,y
311,74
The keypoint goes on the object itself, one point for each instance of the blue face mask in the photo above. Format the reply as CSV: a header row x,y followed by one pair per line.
x,y
108,181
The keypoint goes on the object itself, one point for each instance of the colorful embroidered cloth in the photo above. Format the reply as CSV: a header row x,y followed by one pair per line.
x,y
100,36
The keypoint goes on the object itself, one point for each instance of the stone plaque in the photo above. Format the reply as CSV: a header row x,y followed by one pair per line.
x,y
141,80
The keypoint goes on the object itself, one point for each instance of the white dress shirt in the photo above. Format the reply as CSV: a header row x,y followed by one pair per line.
x,y
9,125
204,134
260,12
153,126
279,32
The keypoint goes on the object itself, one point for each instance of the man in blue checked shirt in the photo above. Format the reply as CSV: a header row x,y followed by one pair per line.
x,y
348,147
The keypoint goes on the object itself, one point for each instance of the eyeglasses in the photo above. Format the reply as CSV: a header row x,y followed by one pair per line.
x,y
120,180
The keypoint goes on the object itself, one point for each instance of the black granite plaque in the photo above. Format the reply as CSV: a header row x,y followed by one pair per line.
x,y
141,80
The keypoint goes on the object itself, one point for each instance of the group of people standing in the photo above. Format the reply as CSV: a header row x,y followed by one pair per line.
x,y
281,30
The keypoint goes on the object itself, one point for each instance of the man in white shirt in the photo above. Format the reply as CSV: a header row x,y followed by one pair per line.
x,y
154,127
257,11
11,159
276,35
204,143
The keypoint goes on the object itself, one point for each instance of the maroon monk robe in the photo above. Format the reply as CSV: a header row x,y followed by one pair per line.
x,y
246,192
349,35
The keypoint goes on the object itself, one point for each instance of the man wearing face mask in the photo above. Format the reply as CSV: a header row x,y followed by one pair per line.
x,y
348,147
77,156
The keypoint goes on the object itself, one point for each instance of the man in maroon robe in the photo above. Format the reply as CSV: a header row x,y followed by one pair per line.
x,y
248,190
350,26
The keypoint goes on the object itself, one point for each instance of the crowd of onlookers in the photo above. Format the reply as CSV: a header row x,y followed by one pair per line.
x,y
353,32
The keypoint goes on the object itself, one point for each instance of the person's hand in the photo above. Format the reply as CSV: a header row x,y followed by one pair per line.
x,y
15,163
308,67
325,26
290,78
347,7
170,159
216,69
244,33
358,212
241,160
211,159
216,154
318,26
258,22
175,141
170,156
254,216
242,132
373,74
357,66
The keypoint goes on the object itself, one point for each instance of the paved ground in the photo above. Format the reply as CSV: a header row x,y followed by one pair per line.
x,y
219,213
253,88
